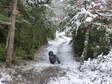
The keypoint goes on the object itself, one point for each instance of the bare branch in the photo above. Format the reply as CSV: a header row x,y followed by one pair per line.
x,y
6,23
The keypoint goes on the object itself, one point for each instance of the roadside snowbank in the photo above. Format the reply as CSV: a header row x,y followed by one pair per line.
x,y
96,71
4,75
99,71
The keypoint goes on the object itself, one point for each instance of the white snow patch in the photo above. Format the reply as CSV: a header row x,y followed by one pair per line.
x,y
89,19
4,77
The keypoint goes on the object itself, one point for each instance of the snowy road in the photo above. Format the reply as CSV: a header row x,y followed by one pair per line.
x,y
60,46
63,50
42,72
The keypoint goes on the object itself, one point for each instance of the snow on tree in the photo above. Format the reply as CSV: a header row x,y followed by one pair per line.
x,y
98,70
87,19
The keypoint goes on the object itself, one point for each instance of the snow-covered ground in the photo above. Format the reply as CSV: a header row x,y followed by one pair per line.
x,y
4,75
97,71
60,46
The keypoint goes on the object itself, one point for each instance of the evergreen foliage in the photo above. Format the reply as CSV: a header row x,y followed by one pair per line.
x,y
32,30
91,27
99,40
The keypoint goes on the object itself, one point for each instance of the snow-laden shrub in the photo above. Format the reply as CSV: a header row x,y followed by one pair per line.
x,y
92,40
98,71
102,63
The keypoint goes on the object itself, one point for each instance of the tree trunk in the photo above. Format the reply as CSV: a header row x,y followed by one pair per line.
x,y
86,42
10,45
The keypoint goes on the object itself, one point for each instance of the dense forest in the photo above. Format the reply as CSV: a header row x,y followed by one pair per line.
x,y
32,29
55,41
